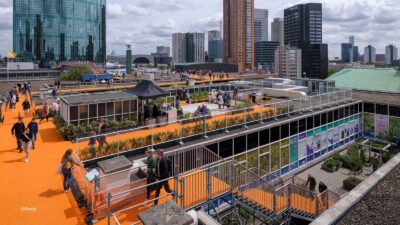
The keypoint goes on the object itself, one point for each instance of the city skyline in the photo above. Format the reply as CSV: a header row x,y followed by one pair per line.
x,y
374,24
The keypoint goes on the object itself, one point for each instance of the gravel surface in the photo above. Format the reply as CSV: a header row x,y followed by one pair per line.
x,y
380,207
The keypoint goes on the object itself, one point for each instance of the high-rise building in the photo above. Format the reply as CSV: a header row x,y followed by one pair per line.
x,y
369,54
215,46
351,40
391,54
260,25
239,33
350,52
163,51
188,47
346,47
356,54
49,31
303,29
195,47
277,31
265,55
288,62
214,35
179,48
128,64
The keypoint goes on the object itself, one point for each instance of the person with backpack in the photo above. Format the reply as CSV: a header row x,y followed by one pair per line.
x,y
67,164
33,129
26,107
151,173
163,170
17,130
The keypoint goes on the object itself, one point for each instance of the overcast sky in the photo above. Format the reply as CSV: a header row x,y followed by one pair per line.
x,y
148,23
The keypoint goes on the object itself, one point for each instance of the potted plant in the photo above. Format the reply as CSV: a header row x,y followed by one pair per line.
x,y
329,165
356,165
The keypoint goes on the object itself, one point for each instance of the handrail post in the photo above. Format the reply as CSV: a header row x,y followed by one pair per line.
x,y
180,131
226,122
176,178
108,208
274,202
289,195
205,126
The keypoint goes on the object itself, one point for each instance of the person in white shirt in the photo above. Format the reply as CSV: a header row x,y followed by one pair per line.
x,y
55,106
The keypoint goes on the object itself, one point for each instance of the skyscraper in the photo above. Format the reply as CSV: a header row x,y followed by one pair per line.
x,y
215,46
260,25
188,47
303,29
346,48
179,48
49,31
239,33
391,54
195,47
277,31
369,54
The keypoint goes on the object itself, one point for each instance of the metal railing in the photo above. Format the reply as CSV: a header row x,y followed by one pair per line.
x,y
131,182
215,121
204,185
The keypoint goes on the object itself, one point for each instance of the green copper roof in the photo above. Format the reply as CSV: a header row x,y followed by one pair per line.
x,y
368,79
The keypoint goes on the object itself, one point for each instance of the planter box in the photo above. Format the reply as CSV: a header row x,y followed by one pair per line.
x,y
350,183
328,169
242,111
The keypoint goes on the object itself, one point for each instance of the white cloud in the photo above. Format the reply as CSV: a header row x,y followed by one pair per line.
x,y
148,23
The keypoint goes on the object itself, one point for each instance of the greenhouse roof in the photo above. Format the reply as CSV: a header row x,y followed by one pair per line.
x,y
387,80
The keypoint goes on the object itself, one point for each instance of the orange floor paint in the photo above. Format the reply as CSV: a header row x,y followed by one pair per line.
x,y
32,194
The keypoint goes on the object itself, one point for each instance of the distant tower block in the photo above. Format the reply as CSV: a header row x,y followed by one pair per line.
x,y
128,65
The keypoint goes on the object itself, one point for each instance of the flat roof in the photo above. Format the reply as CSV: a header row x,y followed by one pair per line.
x,y
387,80
97,98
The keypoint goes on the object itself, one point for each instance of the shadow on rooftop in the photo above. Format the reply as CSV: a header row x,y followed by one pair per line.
x,y
51,193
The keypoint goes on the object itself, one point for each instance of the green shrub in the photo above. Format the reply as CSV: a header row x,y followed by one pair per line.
x,y
330,163
75,74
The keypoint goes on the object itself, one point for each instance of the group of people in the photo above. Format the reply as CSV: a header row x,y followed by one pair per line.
x,y
159,168
101,138
312,183
25,136
223,100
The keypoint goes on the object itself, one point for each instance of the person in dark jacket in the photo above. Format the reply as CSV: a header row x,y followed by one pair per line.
x,y
322,187
26,107
33,129
311,180
162,172
151,173
17,130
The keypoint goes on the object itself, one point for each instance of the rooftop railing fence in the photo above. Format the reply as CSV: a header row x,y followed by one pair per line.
x,y
215,121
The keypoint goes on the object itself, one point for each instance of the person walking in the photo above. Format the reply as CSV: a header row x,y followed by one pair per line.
x,y
67,163
54,92
92,139
151,173
375,162
27,143
17,130
45,113
13,101
33,131
311,180
26,107
55,107
253,97
162,171
220,101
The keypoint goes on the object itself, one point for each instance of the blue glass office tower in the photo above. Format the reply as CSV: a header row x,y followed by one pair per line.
x,y
48,31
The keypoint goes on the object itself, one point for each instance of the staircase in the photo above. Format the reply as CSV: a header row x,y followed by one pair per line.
x,y
272,203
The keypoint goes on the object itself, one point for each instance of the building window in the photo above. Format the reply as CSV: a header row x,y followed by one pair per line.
x,y
369,107
225,148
